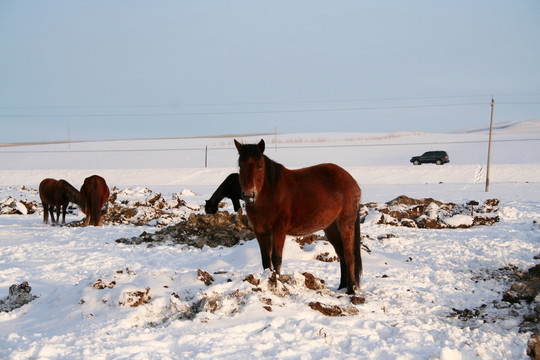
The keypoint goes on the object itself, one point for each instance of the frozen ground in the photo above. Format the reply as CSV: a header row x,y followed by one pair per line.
x,y
411,283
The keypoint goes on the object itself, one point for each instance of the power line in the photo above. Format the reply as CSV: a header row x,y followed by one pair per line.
x,y
260,102
242,112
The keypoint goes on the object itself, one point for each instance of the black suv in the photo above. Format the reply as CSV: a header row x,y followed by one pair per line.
x,y
435,157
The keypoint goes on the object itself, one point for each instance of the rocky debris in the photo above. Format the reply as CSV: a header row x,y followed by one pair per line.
x,y
431,214
9,206
326,257
220,229
333,310
521,301
100,284
141,206
19,295
135,298
309,239
526,290
205,277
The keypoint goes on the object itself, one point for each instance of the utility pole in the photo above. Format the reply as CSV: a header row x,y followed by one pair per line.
x,y
489,146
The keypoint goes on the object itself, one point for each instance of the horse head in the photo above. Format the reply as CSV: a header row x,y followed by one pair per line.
x,y
252,169
210,207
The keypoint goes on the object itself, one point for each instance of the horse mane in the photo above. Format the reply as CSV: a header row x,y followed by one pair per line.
x,y
72,194
273,171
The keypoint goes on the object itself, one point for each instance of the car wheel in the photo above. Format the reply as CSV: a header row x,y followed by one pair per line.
x,y
439,162
416,162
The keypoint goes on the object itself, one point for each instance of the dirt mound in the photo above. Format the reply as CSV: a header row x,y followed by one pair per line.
x,y
142,206
220,229
271,290
431,214
19,295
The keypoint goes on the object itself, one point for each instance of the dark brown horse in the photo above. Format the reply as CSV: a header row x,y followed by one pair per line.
x,y
95,193
230,187
57,194
282,202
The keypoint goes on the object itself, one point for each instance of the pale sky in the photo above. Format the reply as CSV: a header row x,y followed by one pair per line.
x,y
132,69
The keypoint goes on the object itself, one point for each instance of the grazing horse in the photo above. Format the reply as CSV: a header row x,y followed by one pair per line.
x,y
282,202
230,188
95,193
57,194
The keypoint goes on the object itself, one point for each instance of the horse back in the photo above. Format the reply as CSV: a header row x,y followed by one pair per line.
x,y
318,195
50,192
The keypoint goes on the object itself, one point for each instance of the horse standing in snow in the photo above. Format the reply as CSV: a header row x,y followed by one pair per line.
x,y
282,202
57,194
230,188
94,193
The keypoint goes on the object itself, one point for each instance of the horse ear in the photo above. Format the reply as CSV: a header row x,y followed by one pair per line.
x,y
238,145
260,145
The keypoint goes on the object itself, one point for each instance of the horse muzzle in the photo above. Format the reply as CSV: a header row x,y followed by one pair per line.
x,y
249,197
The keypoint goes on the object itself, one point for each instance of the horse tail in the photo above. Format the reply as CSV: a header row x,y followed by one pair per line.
x,y
95,208
357,250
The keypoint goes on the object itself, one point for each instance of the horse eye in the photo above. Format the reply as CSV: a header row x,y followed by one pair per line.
x,y
259,167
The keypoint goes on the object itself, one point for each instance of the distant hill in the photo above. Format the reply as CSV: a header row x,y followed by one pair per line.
x,y
525,127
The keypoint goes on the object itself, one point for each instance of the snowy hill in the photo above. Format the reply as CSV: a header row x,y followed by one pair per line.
x,y
417,283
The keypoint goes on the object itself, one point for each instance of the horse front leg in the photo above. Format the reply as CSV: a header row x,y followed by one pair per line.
x,y
45,213
64,209
278,241
265,240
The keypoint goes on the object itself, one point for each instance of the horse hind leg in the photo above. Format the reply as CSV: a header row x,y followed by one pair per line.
x,y
342,237
333,235
350,250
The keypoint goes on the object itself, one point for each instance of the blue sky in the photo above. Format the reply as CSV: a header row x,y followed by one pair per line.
x,y
132,69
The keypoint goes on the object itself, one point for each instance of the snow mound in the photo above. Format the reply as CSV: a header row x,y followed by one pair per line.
x,y
202,296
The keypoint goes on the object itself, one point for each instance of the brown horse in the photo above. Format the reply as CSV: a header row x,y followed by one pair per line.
x,y
282,202
57,194
95,193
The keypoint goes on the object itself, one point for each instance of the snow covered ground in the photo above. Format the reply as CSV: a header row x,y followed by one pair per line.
x,y
411,283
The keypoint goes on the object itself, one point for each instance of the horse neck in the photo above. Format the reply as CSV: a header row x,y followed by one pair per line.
x,y
73,195
218,195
